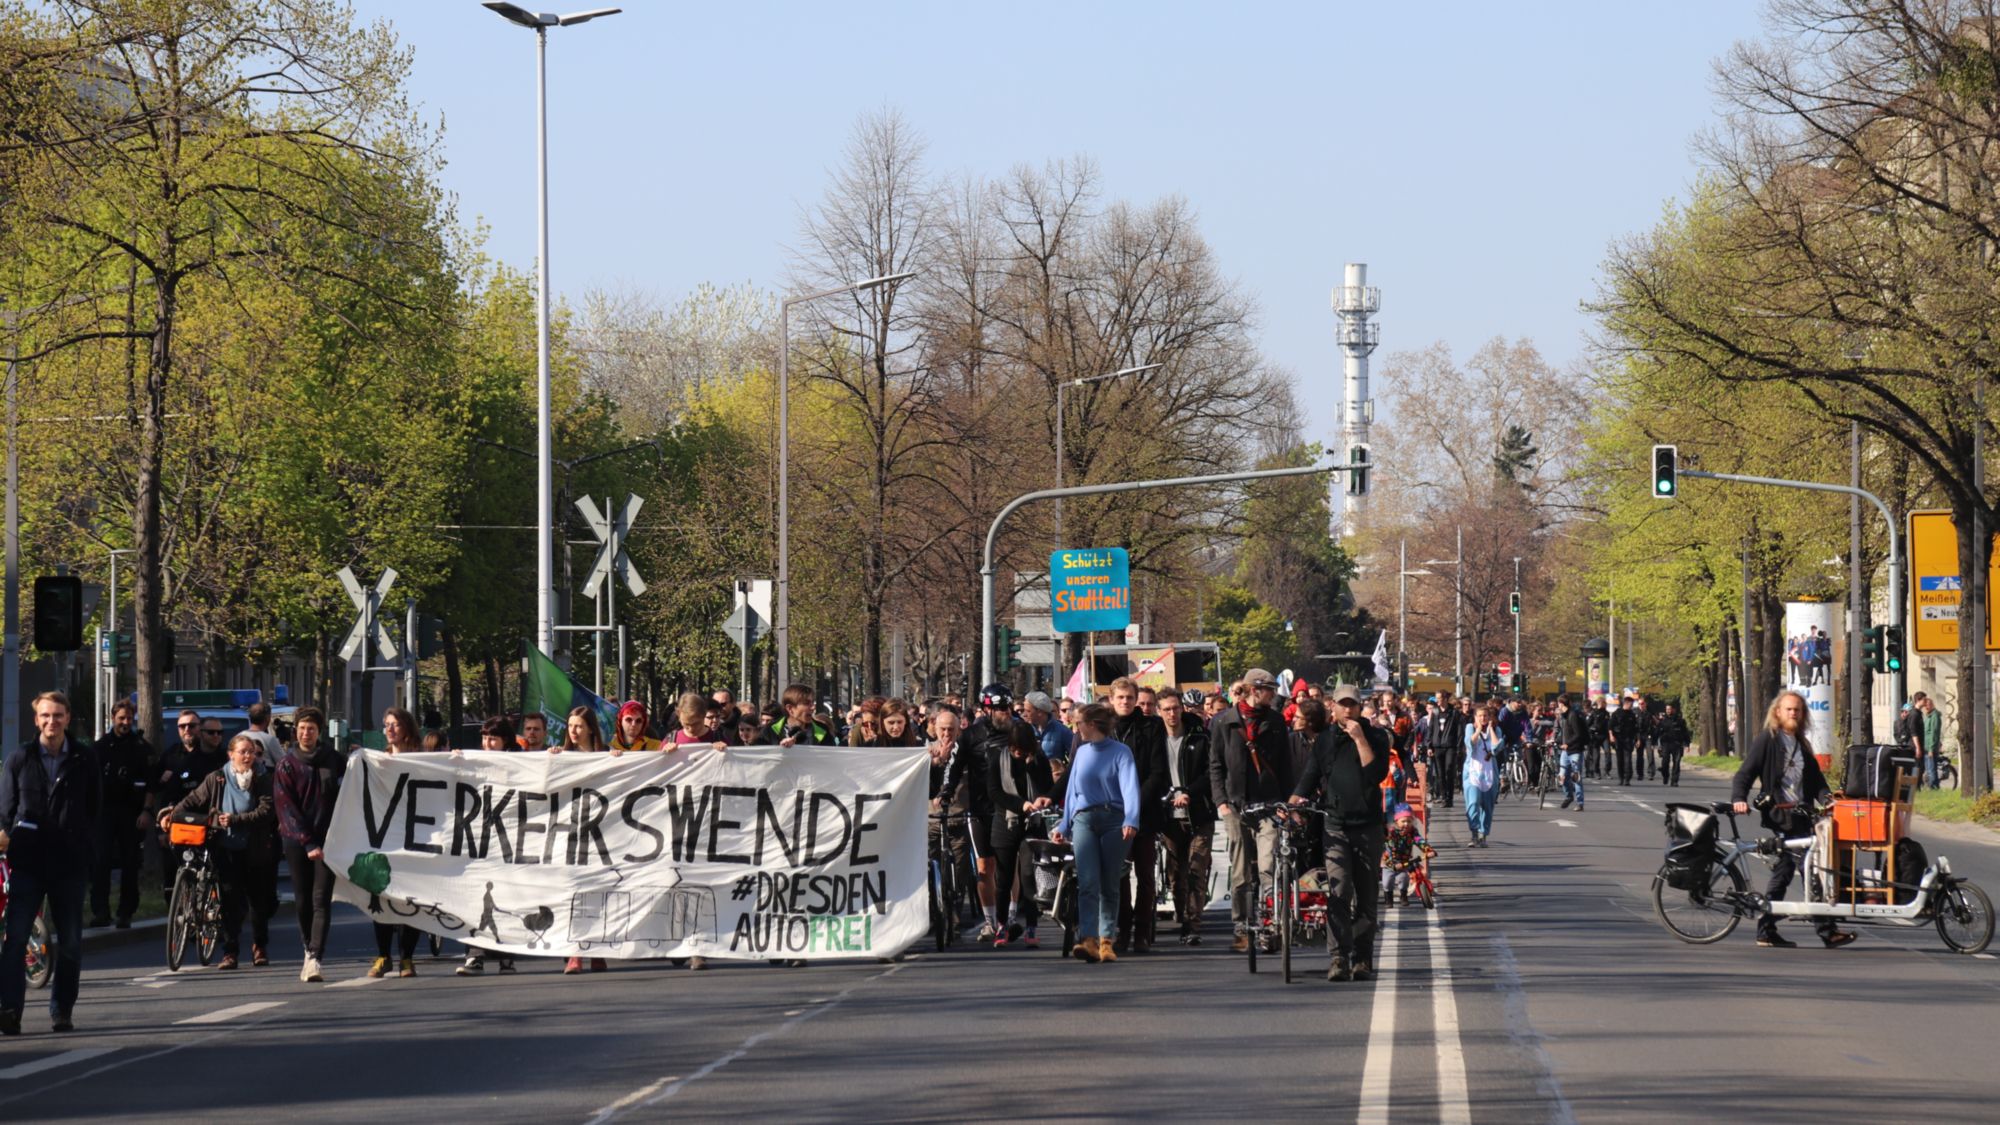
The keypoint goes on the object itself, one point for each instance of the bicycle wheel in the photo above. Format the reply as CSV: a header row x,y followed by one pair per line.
x,y
208,930
41,959
1426,895
180,921
1285,908
1704,916
1964,918
1947,775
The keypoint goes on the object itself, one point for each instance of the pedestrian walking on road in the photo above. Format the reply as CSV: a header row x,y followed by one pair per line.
x,y
237,799
1447,746
1674,735
1101,813
51,795
1187,832
1624,737
1249,763
1573,735
1482,774
496,735
633,734
306,787
1350,759
126,759
399,735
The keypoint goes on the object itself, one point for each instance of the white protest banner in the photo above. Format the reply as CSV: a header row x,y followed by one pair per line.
x,y
748,853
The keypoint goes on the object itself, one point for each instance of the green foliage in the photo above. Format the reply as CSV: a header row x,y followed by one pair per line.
x,y
1249,633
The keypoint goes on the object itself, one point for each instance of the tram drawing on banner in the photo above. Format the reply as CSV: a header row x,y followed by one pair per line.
x,y
655,917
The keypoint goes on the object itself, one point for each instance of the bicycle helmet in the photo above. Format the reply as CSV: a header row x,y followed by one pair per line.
x,y
1194,699
996,695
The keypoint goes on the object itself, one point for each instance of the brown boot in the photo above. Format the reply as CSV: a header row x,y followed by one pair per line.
x,y
1107,951
1085,949
1241,944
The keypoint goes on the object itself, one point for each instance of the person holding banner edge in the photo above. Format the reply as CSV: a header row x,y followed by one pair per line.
x,y
399,736
1101,813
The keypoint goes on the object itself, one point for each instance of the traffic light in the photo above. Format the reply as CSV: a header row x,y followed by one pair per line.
x,y
1520,683
430,636
1872,648
1007,653
1357,479
1892,648
1666,471
1514,603
58,613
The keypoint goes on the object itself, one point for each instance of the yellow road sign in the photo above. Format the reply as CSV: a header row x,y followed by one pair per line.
x,y
1935,586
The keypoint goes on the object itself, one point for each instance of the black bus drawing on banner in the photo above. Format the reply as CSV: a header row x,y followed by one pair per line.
x,y
606,918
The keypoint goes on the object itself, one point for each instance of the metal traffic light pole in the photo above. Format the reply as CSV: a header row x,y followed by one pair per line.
x,y
1895,542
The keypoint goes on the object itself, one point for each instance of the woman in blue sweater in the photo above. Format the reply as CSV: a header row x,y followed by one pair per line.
x,y
1101,813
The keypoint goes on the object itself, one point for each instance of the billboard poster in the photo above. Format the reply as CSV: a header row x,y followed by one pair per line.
x,y
1809,666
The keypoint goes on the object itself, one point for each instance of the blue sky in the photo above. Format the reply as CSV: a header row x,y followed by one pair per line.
x,y
1479,157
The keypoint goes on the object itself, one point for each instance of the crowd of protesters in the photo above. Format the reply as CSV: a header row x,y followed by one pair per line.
x,y
1141,774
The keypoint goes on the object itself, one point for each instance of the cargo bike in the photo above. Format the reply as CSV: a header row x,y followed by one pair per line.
x,y
1859,865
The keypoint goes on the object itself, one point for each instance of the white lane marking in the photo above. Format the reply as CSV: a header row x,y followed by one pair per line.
x,y
192,1039
81,1054
656,1092
1521,1028
356,982
226,1014
156,980
1454,1103
1375,1068
1563,823
1984,956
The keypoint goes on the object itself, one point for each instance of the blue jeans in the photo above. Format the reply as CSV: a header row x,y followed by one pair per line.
x,y
1931,768
1100,861
1571,764
65,891
1479,809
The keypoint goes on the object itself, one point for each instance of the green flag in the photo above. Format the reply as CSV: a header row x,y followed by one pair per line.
x,y
547,689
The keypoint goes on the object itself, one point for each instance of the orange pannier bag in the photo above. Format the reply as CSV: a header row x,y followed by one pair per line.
x,y
187,835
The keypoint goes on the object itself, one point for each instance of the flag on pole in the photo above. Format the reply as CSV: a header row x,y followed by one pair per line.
x,y
548,690
1075,688
1382,675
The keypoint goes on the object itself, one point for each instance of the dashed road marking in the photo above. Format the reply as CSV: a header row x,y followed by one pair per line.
x,y
356,982
1454,1102
81,1054
224,1015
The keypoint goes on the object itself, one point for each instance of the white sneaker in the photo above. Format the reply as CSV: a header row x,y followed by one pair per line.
x,y
309,972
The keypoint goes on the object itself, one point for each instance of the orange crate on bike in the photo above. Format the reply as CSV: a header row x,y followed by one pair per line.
x,y
1858,821
187,835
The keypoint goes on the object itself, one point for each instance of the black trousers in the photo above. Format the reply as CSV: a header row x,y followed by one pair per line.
x,y
120,844
249,886
1354,867
386,933
1138,921
1670,763
312,891
1010,837
1782,870
1449,762
1624,752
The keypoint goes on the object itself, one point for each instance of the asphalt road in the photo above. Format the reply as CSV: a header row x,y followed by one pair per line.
x,y
1541,990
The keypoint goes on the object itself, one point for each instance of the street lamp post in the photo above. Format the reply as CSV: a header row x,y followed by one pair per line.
x,y
1403,576
545,582
1518,670
1457,614
1061,450
781,627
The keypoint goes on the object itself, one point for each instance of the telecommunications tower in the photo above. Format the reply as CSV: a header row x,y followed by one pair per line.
x,y
1354,303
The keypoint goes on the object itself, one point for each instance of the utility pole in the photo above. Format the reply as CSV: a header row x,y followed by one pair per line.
x,y
1860,720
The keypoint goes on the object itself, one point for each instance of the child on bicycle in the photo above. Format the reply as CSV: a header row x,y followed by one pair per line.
x,y
1403,849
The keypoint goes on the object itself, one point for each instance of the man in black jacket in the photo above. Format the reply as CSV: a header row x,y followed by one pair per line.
x,y
1147,737
987,739
1573,732
126,760
1599,721
50,798
1344,775
1447,745
184,766
1780,761
1674,737
1249,763
1624,736
1187,830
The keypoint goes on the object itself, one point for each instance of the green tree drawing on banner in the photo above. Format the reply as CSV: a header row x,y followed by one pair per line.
x,y
370,872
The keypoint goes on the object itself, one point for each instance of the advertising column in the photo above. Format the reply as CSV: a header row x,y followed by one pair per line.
x,y
1809,668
